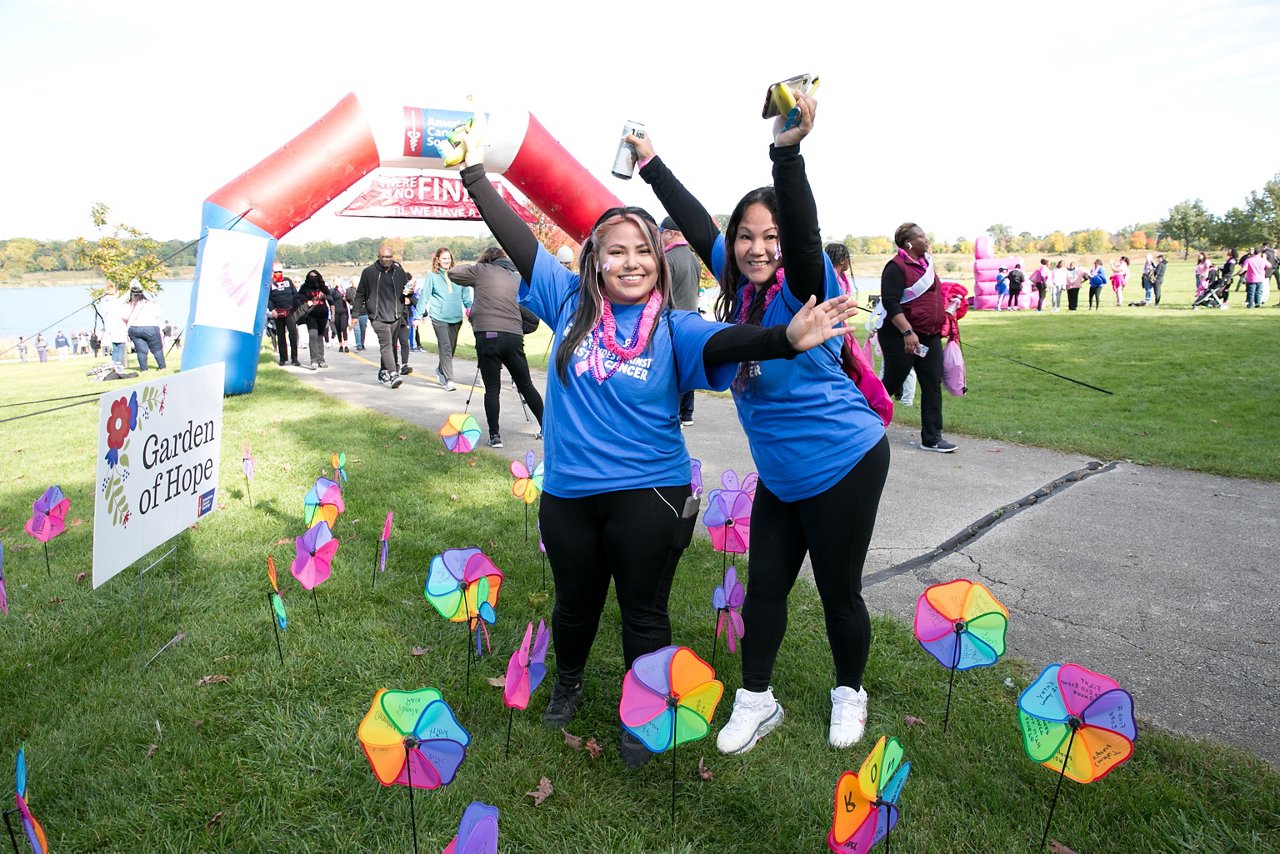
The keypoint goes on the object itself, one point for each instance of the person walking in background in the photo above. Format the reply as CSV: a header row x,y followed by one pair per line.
x,y
1240,282
1202,270
1148,270
839,255
1057,284
63,345
82,343
1002,288
403,340
22,349
499,333
380,295
1255,276
1119,277
115,327
1075,277
341,316
143,318
565,256
1040,282
1097,278
446,305
1157,278
42,348
313,303
1269,254
685,273
360,320
281,302
1016,278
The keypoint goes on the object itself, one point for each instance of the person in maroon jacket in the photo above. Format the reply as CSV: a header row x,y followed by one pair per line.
x,y
911,329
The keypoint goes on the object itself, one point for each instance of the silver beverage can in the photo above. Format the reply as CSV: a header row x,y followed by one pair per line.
x,y
624,162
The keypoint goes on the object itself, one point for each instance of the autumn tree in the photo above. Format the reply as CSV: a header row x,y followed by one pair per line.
x,y
1002,235
120,254
1264,211
1188,222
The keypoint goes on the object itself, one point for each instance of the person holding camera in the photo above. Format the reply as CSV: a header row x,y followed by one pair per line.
x,y
313,308
380,295
403,341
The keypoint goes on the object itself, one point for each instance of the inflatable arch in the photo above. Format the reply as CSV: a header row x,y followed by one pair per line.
x,y
242,222
985,268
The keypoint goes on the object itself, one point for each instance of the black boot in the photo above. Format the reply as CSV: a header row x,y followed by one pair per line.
x,y
563,705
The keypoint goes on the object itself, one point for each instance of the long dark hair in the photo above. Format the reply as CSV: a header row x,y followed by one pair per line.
x,y
730,276
591,280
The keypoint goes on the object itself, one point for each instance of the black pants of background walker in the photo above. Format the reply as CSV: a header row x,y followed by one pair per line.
x,y
286,336
386,332
1073,298
627,537
897,364
493,351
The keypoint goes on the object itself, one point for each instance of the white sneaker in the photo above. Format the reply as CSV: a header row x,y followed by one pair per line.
x,y
848,716
754,715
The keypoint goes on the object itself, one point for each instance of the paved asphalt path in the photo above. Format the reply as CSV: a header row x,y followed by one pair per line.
x,y
1162,579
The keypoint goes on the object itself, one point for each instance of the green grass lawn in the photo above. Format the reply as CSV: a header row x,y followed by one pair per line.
x,y
126,759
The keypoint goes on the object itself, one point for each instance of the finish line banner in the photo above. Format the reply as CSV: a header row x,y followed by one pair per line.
x,y
159,445
424,197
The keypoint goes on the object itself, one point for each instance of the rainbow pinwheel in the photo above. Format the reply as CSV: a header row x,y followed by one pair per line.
x,y
528,479
961,625
727,599
338,462
728,516
414,739
463,585
280,621
866,806
381,563
461,433
4,594
1069,703
247,462
323,502
31,827
314,555
668,698
527,667
478,831
48,515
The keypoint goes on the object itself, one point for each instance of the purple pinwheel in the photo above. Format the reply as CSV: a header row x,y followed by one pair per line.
x,y
315,551
478,832
322,501
727,600
728,516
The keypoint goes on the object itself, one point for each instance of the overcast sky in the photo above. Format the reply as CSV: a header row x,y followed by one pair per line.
x,y
1041,116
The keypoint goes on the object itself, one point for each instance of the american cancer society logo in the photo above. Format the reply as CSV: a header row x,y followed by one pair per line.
x,y
206,503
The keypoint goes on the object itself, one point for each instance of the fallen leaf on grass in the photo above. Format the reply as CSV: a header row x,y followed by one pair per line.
x,y
704,773
574,741
76,523
419,651
286,466
594,748
221,506
197,723
179,637
213,822
541,793
453,497
1008,683
1056,847
81,576
209,680
498,681
222,658
151,748
472,462
57,600
283,541
912,720
539,598
403,438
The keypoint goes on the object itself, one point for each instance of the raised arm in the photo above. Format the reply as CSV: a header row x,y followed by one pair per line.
x,y
511,232
798,232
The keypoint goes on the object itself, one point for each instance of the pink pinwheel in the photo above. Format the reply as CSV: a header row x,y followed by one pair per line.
x,y
386,537
48,515
247,462
315,551
728,516
323,501
525,672
727,599
478,832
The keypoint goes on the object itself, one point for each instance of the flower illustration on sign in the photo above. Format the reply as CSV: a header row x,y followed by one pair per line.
x,y
125,415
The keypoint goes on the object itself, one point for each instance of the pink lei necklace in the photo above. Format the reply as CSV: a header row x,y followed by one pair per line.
x,y
605,335
749,295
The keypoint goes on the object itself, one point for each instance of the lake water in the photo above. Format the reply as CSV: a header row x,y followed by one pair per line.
x,y
26,311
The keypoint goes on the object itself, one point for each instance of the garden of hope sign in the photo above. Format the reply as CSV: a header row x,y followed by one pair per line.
x,y
159,445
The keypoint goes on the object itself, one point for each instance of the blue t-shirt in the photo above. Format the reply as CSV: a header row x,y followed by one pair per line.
x,y
623,433
807,423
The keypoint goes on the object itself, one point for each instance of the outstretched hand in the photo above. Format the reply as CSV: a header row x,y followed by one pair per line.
x,y
815,323
643,146
808,108
465,143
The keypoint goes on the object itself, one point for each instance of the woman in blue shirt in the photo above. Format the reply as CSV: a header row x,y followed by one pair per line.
x,y
616,503
446,303
819,448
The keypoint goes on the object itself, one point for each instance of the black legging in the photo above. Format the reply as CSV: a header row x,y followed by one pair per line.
x,y
1073,298
1095,296
317,323
625,536
835,528
400,345
493,351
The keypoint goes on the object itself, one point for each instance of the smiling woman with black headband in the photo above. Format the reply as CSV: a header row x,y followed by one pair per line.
x,y
616,503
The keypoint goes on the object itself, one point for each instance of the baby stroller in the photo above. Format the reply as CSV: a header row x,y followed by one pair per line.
x,y
1215,293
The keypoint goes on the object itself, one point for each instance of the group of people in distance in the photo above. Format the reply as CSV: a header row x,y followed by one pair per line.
x,y
617,503
1252,271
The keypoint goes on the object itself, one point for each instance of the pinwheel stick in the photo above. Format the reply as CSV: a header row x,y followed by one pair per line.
x,y
544,570
413,816
47,571
316,601
13,840
377,552
715,637
271,614
1062,773
673,760
951,681
511,713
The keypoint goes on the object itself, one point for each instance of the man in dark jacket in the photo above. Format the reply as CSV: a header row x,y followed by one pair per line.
x,y
496,321
685,272
280,303
1157,277
380,295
